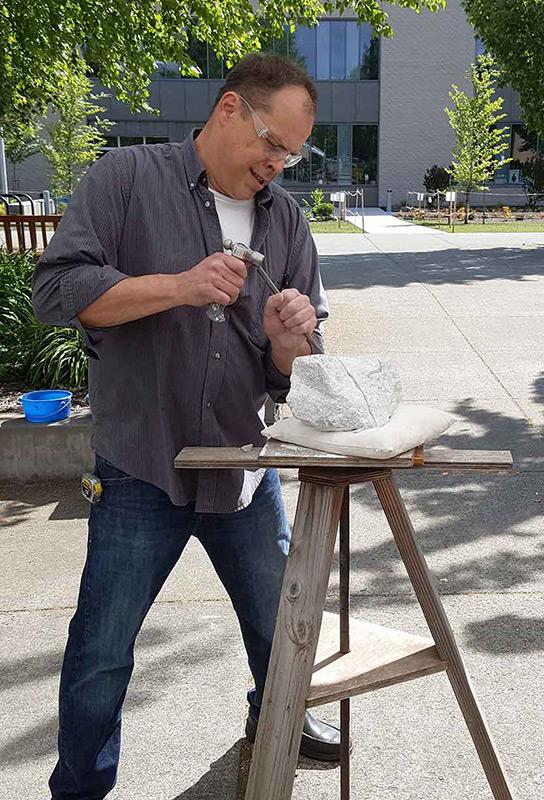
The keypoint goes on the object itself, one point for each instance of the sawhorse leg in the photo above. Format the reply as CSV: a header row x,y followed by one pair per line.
x,y
441,631
281,720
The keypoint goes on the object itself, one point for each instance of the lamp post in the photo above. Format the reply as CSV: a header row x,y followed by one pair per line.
x,y
3,169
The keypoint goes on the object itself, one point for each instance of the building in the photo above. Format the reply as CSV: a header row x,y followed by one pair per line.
x,y
380,122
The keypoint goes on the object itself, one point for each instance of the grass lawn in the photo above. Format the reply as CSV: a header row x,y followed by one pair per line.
x,y
489,227
331,226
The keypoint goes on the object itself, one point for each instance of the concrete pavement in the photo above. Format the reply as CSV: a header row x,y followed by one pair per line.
x,y
463,320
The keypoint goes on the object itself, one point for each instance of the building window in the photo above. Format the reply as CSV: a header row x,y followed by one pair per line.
x,y
112,142
128,141
365,154
337,154
337,50
523,146
334,50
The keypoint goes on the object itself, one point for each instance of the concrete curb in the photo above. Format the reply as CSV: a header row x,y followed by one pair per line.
x,y
35,451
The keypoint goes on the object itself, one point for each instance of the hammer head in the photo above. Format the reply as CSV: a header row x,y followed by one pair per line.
x,y
244,253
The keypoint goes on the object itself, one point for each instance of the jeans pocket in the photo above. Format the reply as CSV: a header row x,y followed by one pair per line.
x,y
109,473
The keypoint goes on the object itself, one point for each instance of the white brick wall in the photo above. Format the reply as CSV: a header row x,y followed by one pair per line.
x,y
428,53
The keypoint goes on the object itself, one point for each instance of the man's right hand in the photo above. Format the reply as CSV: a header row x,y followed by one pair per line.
x,y
217,279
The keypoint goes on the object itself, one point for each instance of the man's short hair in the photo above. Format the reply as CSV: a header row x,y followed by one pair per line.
x,y
258,75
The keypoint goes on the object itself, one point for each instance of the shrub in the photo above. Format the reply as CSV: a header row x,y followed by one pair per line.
x,y
38,356
436,178
461,213
323,211
506,212
317,197
420,213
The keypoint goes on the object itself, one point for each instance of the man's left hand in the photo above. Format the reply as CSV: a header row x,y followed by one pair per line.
x,y
287,316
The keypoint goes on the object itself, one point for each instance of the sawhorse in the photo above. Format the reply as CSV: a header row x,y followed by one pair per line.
x,y
310,664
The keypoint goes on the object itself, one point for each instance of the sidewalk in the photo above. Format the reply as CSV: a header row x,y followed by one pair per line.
x,y
379,222
462,318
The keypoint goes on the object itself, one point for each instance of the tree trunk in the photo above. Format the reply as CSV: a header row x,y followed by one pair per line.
x,y
466,207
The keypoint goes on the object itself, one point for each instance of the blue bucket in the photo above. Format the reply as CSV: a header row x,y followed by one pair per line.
x,y
46,405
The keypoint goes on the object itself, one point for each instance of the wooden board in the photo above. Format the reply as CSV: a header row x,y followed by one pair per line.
x,y
281,454
378,657
276,454
441,458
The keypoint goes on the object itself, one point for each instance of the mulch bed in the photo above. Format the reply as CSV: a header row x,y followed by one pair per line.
x,y
9,392
475,215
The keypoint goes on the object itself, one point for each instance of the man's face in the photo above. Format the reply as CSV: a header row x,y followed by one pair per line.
x,y
251,162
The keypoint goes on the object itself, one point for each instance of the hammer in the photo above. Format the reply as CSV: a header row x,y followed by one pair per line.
x,y
256,259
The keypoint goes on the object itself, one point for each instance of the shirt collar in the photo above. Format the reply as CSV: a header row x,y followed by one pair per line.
x,y
196,173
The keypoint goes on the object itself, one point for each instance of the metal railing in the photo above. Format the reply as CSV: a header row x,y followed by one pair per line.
x,y
40,202
343,206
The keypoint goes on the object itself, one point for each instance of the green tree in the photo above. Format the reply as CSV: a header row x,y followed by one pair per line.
x,y
533,185
20,145
480,144
124,38
513,33
72,143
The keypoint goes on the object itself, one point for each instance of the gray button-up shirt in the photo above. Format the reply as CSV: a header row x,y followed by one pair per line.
x,y
173,379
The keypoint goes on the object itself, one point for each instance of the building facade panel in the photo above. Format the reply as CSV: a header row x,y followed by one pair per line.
x,y
367,102
344,101
428,53
197,100
324,102
172,94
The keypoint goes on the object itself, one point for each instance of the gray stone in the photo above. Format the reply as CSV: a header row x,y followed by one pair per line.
x,y
343,393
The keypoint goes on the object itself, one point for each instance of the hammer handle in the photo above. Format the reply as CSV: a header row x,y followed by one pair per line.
x,y
271,285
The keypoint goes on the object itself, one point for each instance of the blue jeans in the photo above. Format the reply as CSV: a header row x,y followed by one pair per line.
x,y
136,536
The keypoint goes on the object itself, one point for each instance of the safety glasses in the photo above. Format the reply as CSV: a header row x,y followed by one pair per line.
x,y
276,152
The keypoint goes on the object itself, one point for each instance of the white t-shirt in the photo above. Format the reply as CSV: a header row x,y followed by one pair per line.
x,y
236,217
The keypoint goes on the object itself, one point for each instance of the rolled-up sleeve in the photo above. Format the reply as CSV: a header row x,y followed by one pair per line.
x,y
80,262
304,275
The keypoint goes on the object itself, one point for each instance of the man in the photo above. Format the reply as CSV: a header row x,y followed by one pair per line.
x,y
134,265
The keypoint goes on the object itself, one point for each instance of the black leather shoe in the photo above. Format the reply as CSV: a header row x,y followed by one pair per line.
x,y
320,740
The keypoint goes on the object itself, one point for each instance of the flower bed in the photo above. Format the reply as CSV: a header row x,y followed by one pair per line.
x,y
492,214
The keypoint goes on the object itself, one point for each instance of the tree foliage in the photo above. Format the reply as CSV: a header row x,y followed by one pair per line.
x,y
124,38
19,146
73,143
480,144
513,33
436,179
